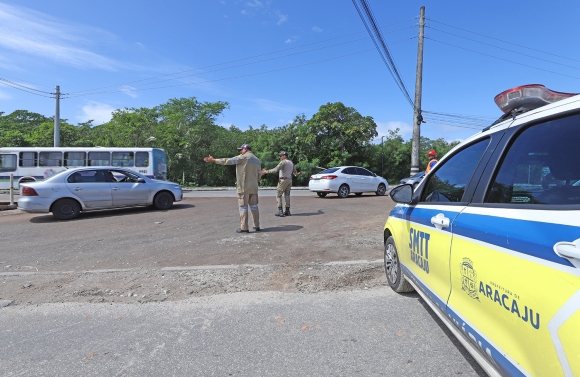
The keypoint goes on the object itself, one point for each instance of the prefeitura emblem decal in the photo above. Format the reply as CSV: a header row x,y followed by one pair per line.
x,y
469,279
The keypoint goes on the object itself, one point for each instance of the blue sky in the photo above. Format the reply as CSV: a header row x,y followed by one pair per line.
x,y
273,60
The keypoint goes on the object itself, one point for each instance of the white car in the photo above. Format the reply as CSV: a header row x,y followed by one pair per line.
x,y
343,180
71,191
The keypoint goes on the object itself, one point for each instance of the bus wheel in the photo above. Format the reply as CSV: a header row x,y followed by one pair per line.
x,y
163,200
66,209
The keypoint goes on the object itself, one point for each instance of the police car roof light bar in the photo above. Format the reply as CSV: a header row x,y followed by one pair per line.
x,y
528,96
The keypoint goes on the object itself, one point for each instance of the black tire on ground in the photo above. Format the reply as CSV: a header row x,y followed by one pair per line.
x,y
381,190
358,193
66,209
321,194
393,268
163,200
343,191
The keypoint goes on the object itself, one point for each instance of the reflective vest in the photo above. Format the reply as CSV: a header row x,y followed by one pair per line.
x,y
430,165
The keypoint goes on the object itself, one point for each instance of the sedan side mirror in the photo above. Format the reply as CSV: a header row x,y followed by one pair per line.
x,y
402,194
140,180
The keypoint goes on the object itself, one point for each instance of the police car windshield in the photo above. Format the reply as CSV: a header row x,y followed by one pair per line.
x,y
328,171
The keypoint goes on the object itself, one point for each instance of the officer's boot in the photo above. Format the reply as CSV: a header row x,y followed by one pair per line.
x,y
287,213
279,213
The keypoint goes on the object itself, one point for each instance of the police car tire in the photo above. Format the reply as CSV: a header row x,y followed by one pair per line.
x,y
393,268
66,209
163,200
343,191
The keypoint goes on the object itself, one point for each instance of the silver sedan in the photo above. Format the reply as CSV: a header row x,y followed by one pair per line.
x,y
71,191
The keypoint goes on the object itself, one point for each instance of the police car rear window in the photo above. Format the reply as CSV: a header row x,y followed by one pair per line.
x,y
542,166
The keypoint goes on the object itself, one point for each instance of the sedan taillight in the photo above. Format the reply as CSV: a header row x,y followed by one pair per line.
x,y
29,191
329,176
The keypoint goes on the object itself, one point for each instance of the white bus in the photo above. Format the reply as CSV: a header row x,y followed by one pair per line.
x,y
35,164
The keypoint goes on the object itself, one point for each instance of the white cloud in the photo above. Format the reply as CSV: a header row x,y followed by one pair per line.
x,y
292,39
317,29
129,90
4,96
97,111
267,105
254,3
244,12
281,18
30,32
405,130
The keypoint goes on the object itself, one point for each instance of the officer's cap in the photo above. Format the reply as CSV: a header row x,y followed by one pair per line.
x,y
283,154
245,146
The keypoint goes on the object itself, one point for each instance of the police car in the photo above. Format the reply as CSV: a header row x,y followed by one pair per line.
x,y
495,253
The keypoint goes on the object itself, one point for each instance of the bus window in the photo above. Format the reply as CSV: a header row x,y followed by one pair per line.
x,y
123,159
99,159
7,162
75,158
27,159
50,159
142,159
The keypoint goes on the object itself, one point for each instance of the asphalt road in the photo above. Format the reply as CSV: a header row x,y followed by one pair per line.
x,y
140,292
364,333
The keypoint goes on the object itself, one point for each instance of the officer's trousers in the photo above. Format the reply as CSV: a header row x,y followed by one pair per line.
x,y
251,201
284,186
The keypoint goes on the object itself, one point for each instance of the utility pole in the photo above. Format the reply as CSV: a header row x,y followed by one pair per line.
x,y
417,117
382,158
57,118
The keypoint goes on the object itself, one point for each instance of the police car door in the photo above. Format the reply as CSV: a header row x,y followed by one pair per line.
x,y
515,259
429,222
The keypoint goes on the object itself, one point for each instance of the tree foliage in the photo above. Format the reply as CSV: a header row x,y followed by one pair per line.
x,y
186,129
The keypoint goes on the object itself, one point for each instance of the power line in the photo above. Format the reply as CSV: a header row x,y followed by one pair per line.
x,y
378,40
230,78
501,40
505,49
246,58
506,60
239,65
23,88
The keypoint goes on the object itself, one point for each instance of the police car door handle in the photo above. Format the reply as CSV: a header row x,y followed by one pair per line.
x,y
440,221
568,249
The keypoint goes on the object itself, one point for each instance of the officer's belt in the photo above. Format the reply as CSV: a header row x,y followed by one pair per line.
x,y
282,178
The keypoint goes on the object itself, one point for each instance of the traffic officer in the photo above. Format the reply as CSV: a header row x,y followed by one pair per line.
x,y
248,173
286,169
432,156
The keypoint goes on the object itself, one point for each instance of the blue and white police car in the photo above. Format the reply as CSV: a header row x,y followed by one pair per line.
x,y
495,253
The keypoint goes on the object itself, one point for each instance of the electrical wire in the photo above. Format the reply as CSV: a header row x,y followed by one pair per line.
x,y
23,88
381,46
501,40
506,60
242,59
231,78
505,49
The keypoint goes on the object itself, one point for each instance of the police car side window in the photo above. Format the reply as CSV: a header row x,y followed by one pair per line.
x,y
448,182
542,166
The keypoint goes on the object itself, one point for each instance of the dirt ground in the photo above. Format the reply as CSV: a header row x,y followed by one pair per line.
x,y
144,255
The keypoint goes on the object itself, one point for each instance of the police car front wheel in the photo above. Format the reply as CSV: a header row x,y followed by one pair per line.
x,y
393,268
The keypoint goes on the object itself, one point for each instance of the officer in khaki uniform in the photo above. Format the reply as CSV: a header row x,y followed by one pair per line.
x,y
248,173
286,169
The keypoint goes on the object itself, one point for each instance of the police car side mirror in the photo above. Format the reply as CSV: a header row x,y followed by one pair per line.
x,y
402,194
140,180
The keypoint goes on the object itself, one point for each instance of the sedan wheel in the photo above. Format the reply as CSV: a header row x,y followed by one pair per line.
x,y
321,194
163,200
66,209
381,190
393,268
343,191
